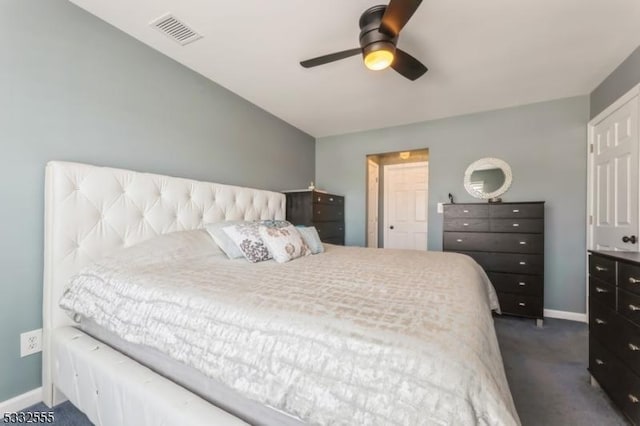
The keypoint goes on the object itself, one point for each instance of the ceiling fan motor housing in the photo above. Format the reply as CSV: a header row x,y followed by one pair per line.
x,y
371,38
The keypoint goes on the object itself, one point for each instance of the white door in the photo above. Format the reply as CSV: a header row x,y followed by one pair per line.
x,y
373,172
405,206
614,178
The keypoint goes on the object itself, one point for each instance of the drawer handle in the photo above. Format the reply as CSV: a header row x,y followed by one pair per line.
x,y
523,243
465,224
459,240
522,304
633,398
599,361
319,199
633,347
634,308
465,211
601,290
515,225
601,268
523,263
331,199
634,280
600,321
522,283
340,229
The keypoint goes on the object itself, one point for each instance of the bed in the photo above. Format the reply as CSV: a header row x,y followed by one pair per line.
x,y
388,337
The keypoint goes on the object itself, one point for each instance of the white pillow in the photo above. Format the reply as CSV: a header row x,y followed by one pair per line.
x,y
311,237
284,243
247,239
223,241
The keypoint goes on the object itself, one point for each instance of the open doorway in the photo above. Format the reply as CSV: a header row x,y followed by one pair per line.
x,y
397,199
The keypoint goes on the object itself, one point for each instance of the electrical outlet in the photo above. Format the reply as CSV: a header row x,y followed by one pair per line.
x,y
31,342
440,207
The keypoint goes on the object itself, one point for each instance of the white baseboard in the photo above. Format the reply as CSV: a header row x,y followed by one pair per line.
x,y
21,402
571,316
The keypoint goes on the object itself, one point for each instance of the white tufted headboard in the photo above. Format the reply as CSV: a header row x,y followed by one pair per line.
x,y
90,211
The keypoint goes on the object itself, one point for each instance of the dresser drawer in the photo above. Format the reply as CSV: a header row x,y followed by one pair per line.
x,y
516,210
517,243
517,225
334,240
602,292
629,277
626,343
321,198
470,224
466,210
603,322
627,392
519,304
602,365
629,306
602,268
329,229
532,285
328,212
507,262
487,241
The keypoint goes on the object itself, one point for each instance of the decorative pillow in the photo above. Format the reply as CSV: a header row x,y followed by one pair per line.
x,y
285,243
270,223
247,239
311,237
223,241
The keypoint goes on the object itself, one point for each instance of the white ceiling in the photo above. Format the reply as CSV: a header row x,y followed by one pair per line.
x,y
481,55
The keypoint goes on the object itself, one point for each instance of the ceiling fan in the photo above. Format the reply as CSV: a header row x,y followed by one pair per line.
x,y
379,30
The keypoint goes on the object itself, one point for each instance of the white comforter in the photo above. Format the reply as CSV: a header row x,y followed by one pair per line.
x,y
351,336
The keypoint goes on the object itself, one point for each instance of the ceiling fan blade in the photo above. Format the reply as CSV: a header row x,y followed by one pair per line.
x,y
407,65
321,60
397,15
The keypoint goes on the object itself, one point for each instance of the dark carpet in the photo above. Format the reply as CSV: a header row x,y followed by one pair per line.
x,y
546,368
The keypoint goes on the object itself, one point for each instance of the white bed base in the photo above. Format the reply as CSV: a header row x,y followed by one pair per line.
x,y
89,212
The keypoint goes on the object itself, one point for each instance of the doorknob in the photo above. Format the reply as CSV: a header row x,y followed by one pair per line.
x,y
632,239
391,227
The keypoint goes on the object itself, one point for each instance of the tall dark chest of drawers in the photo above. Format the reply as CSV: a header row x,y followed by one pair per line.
x,y
614,327
319,209
507,240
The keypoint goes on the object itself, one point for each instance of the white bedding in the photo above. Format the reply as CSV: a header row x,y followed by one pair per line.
x,y
351,336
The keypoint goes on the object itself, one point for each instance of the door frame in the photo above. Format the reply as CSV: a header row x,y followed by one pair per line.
x,y
376,201
385,197
617,104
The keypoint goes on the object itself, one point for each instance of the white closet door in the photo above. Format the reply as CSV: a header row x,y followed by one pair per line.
x,y
614,179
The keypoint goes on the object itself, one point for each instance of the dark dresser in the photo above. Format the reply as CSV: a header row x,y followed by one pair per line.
x,y
614,327
507,240
319,209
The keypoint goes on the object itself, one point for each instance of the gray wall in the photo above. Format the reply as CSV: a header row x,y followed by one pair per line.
x,y
619,82
74,88
544,143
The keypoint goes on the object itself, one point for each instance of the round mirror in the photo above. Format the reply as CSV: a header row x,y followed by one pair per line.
x,y
487,178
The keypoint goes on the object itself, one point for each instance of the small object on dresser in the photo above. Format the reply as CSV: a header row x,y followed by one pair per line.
x,y
451,199
312,186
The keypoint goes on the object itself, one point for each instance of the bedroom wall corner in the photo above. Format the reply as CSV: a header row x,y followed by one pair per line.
x,y
620,81
77,89
545,144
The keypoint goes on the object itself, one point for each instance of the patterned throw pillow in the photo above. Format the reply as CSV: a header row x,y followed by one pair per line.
x,y
223,241
285,243
247,238
311,237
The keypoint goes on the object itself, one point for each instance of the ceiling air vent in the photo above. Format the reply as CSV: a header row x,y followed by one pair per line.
x,y
175,29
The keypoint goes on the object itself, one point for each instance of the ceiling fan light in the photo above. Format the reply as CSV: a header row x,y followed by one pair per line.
x,y
378,56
